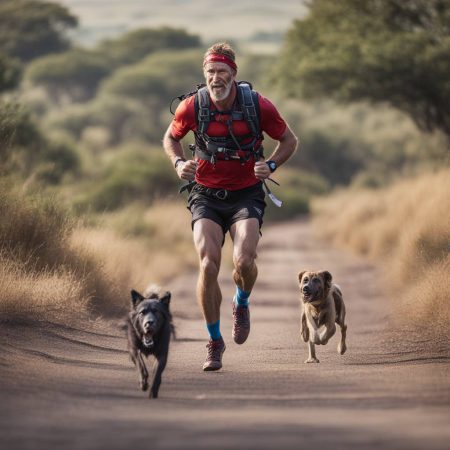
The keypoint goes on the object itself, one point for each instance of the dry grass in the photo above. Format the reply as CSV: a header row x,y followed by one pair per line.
x,y
51,269
45,295
407,228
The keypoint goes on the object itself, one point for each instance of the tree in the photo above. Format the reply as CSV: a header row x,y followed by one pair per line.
x,y
75,73
135,45
29,29
391,51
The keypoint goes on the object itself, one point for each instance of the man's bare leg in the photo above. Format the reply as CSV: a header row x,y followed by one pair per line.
x,y
208,237
245,235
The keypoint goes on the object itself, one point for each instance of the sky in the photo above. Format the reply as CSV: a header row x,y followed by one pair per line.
x,y
238,20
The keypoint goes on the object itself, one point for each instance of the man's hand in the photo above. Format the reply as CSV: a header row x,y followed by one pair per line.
x,y
262,170
186,169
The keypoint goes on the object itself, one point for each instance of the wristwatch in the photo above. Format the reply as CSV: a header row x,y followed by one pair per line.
x,y
272,165
177,161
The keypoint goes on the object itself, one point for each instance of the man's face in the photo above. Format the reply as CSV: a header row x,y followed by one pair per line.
x,y
219,80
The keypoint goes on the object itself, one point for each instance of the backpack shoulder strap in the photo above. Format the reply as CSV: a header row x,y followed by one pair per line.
x,y
202,110
248,99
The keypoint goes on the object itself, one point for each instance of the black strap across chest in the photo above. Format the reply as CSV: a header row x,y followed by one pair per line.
x,y
245,108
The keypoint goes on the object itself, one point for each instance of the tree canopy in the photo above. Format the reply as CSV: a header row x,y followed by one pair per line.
x,y
391,51
137,44
75,73
29,29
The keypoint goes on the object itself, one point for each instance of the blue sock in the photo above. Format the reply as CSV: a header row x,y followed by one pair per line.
x,y
214,330
241,297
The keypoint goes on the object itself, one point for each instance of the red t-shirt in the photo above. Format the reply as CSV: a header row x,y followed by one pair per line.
x,y
231,174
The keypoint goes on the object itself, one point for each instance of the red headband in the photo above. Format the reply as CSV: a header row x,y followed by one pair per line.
x,y
219,57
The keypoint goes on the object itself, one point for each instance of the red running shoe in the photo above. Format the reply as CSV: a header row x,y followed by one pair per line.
x,y
241,323
214,357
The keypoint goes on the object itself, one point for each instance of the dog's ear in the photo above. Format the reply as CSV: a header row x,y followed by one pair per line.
x,y
300,275
136,298
165,299
327,277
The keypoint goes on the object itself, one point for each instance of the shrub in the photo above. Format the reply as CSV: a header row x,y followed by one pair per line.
x,y
406,227
296,190
134,174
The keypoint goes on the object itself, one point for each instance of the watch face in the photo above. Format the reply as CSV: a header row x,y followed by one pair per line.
x,y
272,165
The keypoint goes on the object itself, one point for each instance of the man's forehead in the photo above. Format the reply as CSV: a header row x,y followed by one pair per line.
x,y
217,66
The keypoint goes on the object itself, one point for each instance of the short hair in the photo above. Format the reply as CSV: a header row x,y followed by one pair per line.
x,y
223,48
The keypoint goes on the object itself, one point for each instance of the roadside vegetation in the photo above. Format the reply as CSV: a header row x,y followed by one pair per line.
x,y
405,228
82,127
54,267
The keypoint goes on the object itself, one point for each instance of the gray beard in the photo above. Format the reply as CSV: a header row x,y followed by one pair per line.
x,y
223,96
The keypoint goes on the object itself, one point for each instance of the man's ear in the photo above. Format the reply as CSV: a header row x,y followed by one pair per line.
x,y
136,298
327,277
300,275
165,299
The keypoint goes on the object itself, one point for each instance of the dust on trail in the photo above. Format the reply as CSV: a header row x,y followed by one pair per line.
x,y
74,388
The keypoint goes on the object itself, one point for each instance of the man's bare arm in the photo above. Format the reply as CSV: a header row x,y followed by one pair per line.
x,y
174,150
286,147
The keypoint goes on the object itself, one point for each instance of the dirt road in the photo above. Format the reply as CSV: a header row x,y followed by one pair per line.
x,y
74,388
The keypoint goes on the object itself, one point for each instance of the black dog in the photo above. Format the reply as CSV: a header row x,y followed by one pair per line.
x,y
149,326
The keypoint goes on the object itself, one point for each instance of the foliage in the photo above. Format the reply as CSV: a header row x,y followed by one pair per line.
x,y
29,29
132,47
24,149
74,74
297,186
381,50
28,222
9,73
133,174
334,157
405,227
20,139
157,78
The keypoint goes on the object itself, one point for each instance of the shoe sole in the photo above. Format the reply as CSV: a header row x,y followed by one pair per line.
x,y
240,342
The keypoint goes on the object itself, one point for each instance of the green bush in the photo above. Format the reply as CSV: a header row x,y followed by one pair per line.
x,y
333,157
294,204
60,157
295,191
21,141
159,77
132,47
74,74
134,174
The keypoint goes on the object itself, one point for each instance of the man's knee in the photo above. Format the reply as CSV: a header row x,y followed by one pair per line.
x,y
244,263
209,268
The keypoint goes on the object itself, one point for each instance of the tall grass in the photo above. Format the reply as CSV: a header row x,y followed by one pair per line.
x,y
407,228
52,268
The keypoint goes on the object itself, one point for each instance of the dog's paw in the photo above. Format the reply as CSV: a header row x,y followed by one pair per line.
x,y
342,348
143,384
311,360
152,393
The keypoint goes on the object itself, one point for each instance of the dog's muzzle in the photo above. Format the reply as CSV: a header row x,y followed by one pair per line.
x,y
147,340
306,292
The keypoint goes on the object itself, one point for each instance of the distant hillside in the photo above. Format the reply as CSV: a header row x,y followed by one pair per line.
x,y
234,19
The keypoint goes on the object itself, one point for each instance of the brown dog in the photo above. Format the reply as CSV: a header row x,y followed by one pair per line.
x,y
322,307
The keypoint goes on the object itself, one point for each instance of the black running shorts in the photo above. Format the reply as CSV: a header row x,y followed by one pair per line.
x,y
226,207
